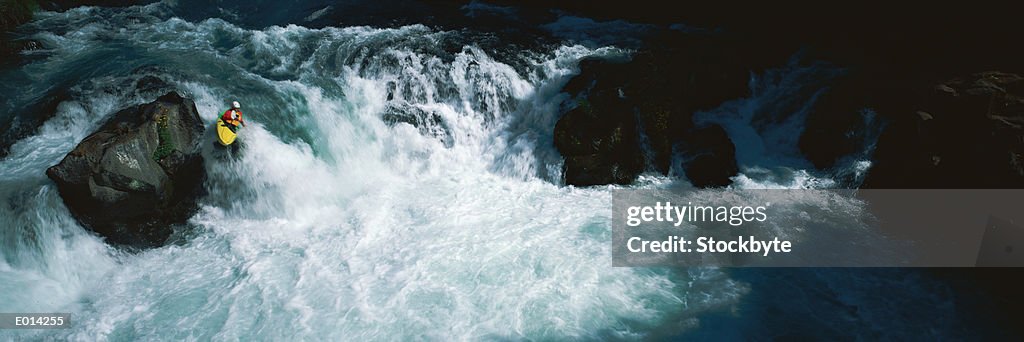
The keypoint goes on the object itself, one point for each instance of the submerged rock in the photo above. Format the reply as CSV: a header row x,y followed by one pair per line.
x,y
25,122
426,122
138,174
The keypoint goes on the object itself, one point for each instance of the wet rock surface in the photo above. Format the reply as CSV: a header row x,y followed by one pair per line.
x,y
138,175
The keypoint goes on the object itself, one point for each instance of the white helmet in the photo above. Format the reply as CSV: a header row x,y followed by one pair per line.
x,y
236,105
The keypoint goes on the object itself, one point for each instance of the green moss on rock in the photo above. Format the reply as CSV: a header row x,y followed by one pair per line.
x,y
166,146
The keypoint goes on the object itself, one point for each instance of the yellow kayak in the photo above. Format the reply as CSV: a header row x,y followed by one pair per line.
x,y
224,134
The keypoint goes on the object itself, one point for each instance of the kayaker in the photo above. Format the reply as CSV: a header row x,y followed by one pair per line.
x,y
233,116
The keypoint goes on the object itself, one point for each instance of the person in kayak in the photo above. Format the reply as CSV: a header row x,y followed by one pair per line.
x,y
233,117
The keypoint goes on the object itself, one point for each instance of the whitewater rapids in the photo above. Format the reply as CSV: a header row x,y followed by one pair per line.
x,y
331,224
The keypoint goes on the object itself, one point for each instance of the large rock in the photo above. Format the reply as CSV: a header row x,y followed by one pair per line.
x,y
138,175
637,115
967,132
599,146
834,127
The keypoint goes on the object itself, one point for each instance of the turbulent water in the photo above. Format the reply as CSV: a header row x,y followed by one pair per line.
x,y
337,219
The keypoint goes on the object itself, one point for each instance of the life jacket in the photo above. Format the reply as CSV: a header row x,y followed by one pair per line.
x,y
232,119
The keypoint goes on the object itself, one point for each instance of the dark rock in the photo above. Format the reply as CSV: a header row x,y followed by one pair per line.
x,y
835,125
963,133
600,147
138,174
14,13
709,157
630,114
